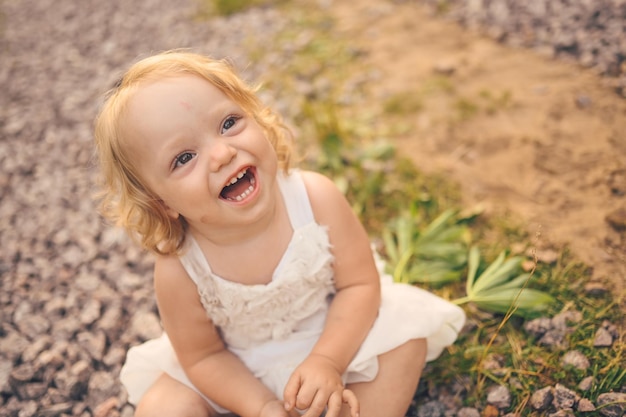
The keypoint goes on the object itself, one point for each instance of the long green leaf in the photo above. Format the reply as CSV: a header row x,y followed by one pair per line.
x,y
453,233
399,272
497,276
441,250
433,272
391,248
404,232
516,282
486,274
472,269
437,225
500,301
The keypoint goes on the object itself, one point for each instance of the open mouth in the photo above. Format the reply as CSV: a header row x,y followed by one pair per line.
x,y
239,186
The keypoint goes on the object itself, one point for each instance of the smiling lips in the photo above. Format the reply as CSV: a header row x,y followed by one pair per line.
x,y
240,186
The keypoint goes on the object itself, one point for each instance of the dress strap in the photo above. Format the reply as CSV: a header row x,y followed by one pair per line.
x,y
296,199
193,260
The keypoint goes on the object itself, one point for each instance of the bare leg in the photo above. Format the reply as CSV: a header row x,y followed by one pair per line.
x,y
391,392
168,397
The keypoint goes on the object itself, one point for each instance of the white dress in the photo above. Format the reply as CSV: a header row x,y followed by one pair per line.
x,y
273,327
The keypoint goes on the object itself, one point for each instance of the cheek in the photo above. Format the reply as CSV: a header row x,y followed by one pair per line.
x,y
172,203
269,152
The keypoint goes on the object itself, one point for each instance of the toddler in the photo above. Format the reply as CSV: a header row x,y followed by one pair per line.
x,y
271,301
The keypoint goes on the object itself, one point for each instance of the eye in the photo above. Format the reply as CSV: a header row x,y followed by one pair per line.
x,y
229,123
182,159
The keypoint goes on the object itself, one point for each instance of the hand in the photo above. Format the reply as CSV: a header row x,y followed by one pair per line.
x,y
276,408
315,385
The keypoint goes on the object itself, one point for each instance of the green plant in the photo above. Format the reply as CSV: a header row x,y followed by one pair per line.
x,y
228,7
501,287
435,254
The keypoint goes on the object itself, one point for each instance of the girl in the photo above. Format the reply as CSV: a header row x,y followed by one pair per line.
x,y
271,301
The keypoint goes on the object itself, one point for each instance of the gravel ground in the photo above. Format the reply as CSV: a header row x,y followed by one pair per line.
x,y
591,32
74,293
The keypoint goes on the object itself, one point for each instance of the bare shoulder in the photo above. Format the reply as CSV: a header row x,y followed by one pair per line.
x,y
316,182
182,314
171,281
167,268
327,201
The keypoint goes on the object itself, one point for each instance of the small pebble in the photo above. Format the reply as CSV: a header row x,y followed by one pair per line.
x,y
499,396
575,359
585,406
564,398
603,338
583,101
542,399
586,383
612,404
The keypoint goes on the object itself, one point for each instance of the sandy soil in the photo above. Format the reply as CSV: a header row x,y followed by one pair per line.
x,y
521,132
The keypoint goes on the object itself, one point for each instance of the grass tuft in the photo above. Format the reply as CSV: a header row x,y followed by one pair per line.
x,y
209,8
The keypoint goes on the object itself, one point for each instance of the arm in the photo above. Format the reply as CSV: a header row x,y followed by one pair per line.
x,y
213,369
317,381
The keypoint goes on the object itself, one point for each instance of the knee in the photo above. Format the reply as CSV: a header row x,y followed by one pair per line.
x,y
175,403
152,406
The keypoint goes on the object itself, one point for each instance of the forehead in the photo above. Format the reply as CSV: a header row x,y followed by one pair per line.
x,y
163,104
168,90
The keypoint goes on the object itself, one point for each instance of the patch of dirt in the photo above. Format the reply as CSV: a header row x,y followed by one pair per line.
x,y
541,138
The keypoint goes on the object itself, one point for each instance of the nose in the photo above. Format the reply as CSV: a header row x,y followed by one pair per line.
x,y
220,154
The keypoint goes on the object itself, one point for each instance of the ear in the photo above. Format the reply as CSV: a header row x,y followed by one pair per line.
x,y
169,211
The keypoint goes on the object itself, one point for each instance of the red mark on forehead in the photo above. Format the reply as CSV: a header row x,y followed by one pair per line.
x,y
185,105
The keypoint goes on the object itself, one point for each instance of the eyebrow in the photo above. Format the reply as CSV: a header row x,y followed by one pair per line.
x,y
172,147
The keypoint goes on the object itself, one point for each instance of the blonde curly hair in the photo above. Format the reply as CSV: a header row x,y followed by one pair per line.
x,y
125,198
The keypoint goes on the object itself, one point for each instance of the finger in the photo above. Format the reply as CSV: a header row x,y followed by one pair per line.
x,y
350,398
334,404
316,406
293,413
305,397
291,391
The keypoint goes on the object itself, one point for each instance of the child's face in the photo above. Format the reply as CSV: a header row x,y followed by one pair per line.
x,y
205,158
